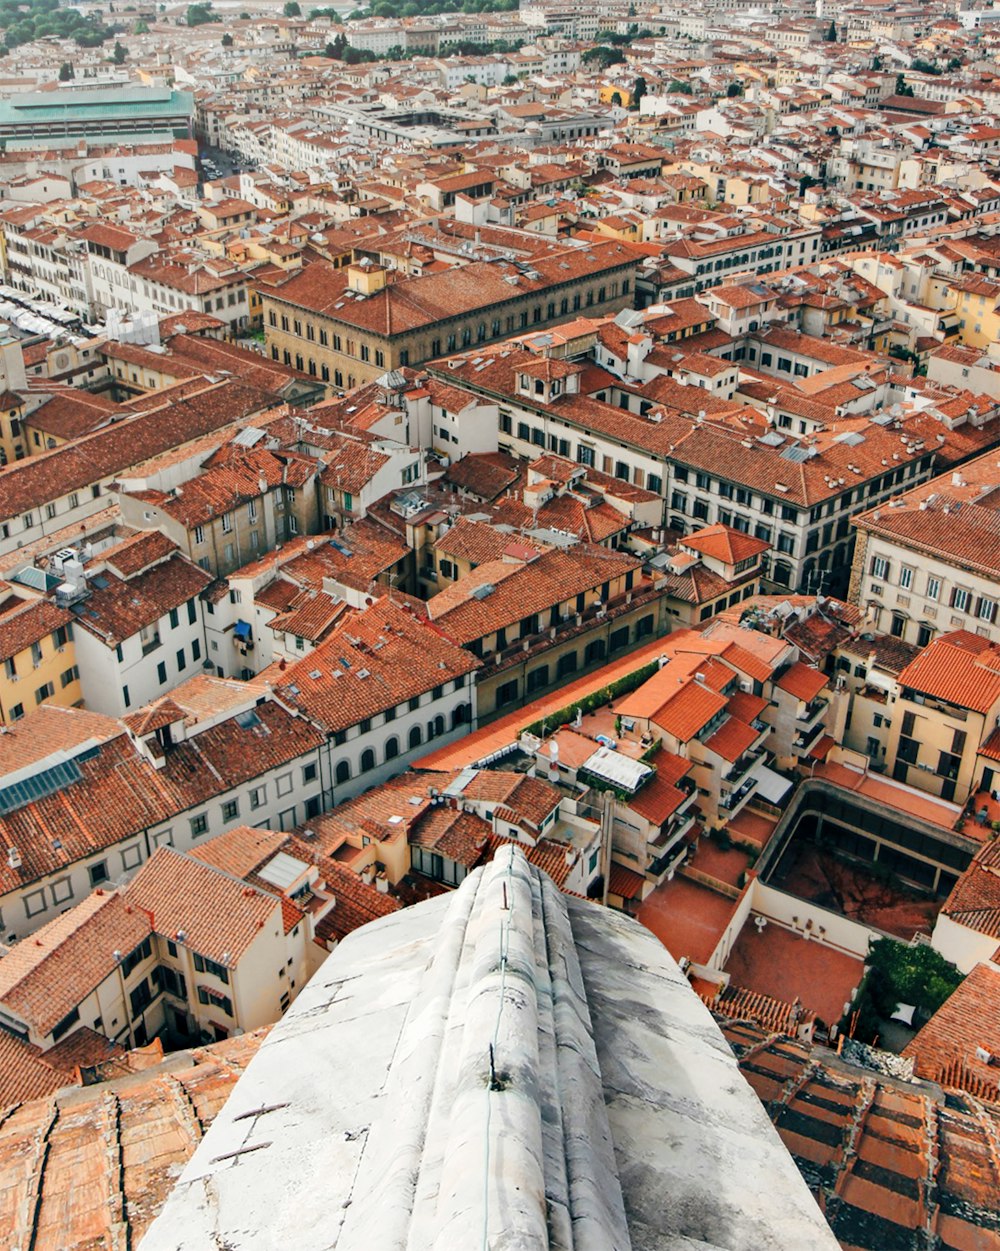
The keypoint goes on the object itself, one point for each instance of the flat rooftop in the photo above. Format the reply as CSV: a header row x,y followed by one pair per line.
x,y
687,918
785,966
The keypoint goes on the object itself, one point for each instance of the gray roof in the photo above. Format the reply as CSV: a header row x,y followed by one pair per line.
x,y
613,1116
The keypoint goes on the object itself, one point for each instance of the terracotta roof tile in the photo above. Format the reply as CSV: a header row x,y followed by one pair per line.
x,y
217,914
399,656
945,1049
959,667
49,973
802,681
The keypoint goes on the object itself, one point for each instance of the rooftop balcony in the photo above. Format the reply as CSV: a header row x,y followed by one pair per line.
x,y
742,766
806,738
808,715
736,799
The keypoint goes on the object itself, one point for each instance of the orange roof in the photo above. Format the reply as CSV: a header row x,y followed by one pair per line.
x,y
502,734
688,709
961,668
657,799
732,739
625,883
945,1049
725,544
746,707
802,681
892,794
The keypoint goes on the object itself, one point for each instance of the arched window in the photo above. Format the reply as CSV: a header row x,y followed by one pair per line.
x,y
392,748
459,715
343,772
435,727
367,760
416,738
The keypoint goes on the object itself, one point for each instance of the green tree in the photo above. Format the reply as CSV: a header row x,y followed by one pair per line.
x,y
602,56
734,89
227,40
65,72
199,14
901,86
330,13
292,8
638,91
120,53
831,34
616,99
141,27
684,88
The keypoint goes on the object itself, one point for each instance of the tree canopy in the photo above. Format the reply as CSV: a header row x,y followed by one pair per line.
x,y
39,19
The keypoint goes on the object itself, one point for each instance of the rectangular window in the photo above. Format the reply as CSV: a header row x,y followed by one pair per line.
x,y
230,810
62,890
906,577
67,1023
933,588
212,997
204,965
284,784
258,797
199,824
199,534
141,997
136,957
98,873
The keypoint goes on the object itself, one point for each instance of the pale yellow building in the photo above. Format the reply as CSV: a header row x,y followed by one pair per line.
x,y
37,657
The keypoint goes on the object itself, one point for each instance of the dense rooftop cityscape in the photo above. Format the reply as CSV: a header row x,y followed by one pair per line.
x,y
474,470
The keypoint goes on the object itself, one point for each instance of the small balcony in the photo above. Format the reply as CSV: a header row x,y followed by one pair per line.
x,y
736,798
815,708
672,832
666,861
805,739
741,767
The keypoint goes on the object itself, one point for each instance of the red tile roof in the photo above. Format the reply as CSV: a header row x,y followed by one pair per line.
x,y
945,1049
50,972
802,681
961,668
373,661
725,544
217,914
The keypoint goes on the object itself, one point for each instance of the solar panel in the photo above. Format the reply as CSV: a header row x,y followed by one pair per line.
x,y
45,782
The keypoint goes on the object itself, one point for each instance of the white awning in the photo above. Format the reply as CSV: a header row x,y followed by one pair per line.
x,y
770,785
612,766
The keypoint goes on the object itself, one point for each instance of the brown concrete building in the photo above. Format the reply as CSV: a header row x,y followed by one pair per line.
x,y
348,326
